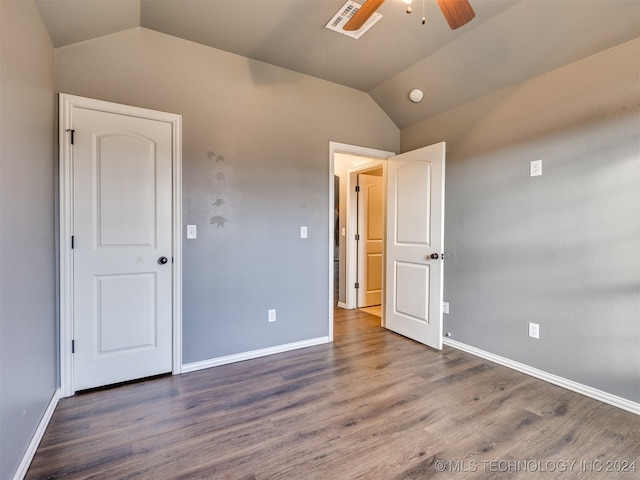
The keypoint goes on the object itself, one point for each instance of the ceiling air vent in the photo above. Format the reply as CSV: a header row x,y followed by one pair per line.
x,y
344,14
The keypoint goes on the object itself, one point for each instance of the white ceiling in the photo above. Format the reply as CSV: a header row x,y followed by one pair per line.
x,y
508,42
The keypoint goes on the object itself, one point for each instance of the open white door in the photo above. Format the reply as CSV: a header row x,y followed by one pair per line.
x,y
370,230
415,244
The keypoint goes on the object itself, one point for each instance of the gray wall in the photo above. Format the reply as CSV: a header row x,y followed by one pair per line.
x,y
256,168
561,250
28,357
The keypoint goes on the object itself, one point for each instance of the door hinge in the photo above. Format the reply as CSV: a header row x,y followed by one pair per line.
x,y
73,346
357,284
72,135
357,188
73,242
357,236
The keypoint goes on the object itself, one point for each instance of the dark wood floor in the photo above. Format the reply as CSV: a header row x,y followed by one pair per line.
x,y
372,405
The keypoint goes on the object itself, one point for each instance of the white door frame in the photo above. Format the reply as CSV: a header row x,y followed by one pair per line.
x,y
351,255
66,106
335,147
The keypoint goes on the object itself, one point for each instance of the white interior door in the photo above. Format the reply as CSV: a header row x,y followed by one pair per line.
x,y
370,230
122,253
415,243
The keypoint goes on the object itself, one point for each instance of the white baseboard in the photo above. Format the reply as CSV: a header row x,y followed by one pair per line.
x,y
239,357
342,305
594,393
37,437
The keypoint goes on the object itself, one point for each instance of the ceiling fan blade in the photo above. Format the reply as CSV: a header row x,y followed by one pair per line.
x,y
457,12
362,15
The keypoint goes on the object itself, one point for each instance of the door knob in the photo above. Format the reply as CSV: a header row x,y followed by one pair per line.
x,y
434,256
163,260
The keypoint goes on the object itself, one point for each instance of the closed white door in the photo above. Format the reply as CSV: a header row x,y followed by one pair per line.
x,y
370,229
415,244
122,265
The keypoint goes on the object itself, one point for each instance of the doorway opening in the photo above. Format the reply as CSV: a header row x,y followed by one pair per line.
x,y
362,177
369,220
413,233
346,163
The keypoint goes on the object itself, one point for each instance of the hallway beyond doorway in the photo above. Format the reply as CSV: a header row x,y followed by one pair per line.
x,y
373,310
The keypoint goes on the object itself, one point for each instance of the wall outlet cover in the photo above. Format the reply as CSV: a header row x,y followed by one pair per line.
x,y
535,168
534,330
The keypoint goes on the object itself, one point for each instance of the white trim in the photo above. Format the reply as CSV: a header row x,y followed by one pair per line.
x,y
591,392
37,437
335,147
67,103
239,357
66,259
177,245
342,305
332,227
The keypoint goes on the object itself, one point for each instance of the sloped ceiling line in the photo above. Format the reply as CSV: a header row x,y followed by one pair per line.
x,y
508,42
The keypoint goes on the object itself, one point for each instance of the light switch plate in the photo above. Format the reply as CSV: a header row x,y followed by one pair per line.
x,y
303,232
192,232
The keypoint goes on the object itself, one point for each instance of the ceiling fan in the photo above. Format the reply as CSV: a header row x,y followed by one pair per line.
x,y
457,13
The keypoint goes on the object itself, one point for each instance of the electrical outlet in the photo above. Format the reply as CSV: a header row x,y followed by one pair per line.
x,y
272,315
534,330
445,307
535,168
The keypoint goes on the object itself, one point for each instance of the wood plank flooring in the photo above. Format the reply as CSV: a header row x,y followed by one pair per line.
x,y
372,405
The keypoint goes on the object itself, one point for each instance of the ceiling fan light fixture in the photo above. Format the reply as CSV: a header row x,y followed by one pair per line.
x,y
416,95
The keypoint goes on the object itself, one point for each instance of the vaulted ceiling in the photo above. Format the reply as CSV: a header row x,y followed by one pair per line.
x,y
508,42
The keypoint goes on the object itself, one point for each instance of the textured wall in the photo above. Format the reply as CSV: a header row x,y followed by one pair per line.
x,y
28,359
256,168
561,250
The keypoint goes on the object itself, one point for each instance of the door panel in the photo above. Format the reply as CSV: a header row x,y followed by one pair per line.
x,y
415,231
126,168
411,277
119,297
413,181
122,295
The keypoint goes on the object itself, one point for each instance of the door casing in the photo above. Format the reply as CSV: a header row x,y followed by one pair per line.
x,y
371,189
351,256
67,103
